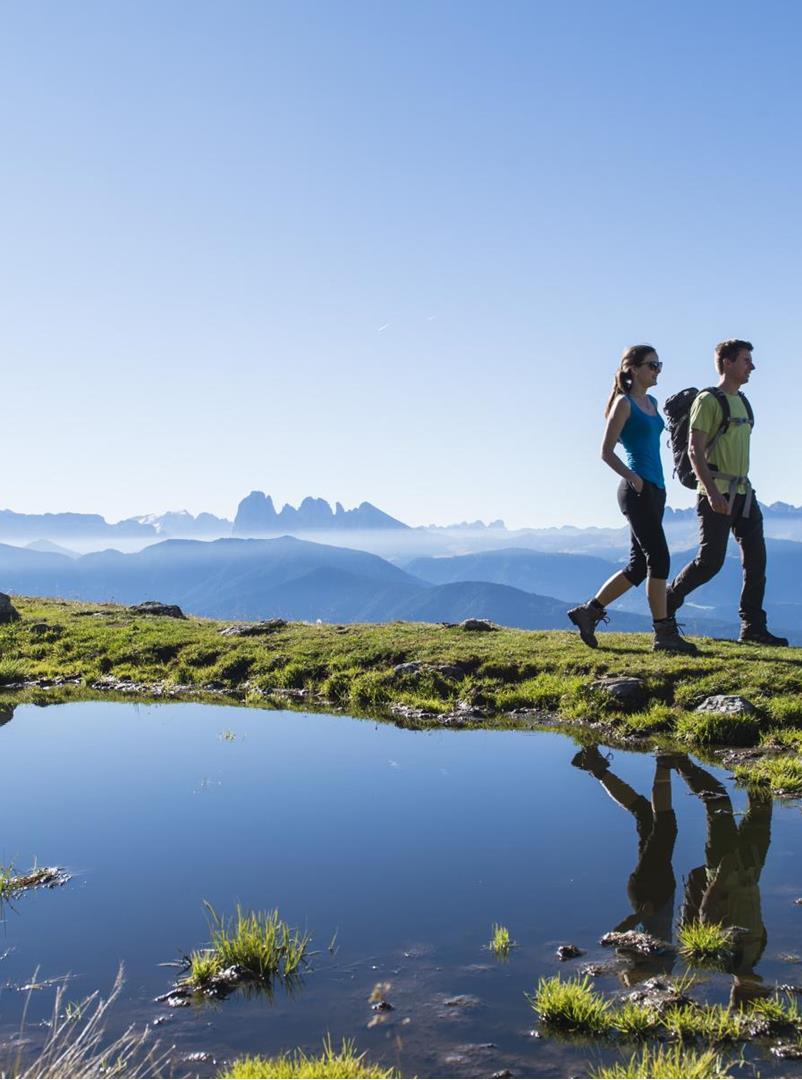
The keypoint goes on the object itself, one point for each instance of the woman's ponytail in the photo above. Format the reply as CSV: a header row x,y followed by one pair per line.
x,y
631,358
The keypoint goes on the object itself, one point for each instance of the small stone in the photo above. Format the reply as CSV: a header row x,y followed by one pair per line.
x,y
477,624
503,1073
627,690
266,626
798,901
568,952
726,703
636,943
381,1006
8,613
165,1018
156,607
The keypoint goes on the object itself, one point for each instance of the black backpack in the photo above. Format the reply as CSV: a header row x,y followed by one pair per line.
x,y
678,414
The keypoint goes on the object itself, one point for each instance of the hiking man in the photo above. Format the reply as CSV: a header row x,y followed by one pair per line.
x,y
719,452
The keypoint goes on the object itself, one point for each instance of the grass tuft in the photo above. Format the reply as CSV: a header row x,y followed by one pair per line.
x,y
671,1063
709,1023
259,942
782,775
500,941
635,1021
705,943
571,1005
331,1063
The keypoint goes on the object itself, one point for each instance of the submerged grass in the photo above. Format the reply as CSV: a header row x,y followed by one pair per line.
x,y
671,1063
342,1063
571,1005
705,943
259,942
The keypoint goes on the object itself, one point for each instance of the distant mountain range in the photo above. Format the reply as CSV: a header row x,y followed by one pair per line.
x,y
295,579
257,516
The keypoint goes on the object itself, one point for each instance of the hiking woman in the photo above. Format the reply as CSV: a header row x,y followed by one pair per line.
x,y
634,420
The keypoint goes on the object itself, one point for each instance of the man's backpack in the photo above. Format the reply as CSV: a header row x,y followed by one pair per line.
x,y
678,414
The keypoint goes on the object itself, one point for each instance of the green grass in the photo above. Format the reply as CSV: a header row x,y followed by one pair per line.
x,y
500,940
781,775
354,667
571,1005
705,943
634,1021
707,1023
260,942
331,1063
12,883
775,1012
671,1063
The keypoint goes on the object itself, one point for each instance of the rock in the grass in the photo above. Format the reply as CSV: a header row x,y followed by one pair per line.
x,y
627,690
420,667
155,607
657,993
636,943
568,952
726,703
8,613
266,626
476,624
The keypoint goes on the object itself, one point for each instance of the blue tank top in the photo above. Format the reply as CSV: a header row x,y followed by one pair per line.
x,y
640,436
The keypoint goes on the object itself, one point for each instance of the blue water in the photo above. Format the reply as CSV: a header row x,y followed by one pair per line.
x,y
407,845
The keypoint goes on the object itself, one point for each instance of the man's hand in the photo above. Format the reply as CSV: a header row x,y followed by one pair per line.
x,y
718,502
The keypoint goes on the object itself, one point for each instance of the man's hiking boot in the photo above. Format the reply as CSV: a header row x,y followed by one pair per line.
x,y
760,635
591,760
586,618
667,638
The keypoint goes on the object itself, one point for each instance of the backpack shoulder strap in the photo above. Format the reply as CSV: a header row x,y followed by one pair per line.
x,y
748,407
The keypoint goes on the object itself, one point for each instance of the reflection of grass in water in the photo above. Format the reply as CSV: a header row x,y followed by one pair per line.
x,y
500,941
705,942
343,1063
259,942
571,1005
672,1063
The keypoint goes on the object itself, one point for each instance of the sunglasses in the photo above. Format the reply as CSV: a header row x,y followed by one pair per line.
x,y
655,365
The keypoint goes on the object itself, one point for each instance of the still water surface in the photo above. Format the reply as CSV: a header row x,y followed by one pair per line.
x,y
406,845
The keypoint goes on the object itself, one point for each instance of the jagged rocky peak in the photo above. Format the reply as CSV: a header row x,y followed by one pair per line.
x,y
257,516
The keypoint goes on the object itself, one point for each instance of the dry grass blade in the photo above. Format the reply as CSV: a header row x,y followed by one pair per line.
x,y
77,1045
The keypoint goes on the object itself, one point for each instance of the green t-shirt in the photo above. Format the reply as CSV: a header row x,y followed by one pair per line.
x,y
731,452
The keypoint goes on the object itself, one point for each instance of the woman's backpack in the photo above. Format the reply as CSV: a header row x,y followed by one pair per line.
x,y
678,415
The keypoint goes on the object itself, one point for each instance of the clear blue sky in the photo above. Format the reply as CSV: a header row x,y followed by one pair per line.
x,y
385,251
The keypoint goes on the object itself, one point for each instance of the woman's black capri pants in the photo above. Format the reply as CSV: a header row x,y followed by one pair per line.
x,y
644,512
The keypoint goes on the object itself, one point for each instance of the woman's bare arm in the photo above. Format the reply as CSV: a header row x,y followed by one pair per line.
x,y
619,414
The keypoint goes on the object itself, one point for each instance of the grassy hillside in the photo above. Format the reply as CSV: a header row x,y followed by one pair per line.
x,y
505,677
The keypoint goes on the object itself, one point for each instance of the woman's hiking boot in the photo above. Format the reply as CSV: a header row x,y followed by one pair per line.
x,y
586,618
667,638
760,635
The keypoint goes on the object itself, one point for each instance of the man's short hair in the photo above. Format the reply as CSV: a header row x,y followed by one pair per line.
x,y
728,350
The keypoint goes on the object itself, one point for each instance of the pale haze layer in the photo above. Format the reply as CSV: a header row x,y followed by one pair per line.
x,y
385,252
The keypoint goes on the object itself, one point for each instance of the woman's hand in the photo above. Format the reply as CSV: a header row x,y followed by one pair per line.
x,y
636,483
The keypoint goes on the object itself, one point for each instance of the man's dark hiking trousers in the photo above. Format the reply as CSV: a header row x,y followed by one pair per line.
x,y
714,532
649,551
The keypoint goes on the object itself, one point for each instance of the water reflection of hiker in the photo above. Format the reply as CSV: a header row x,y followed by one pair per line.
x,y
651,884
634,420
726,889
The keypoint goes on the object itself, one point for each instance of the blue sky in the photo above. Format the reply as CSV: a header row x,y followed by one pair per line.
x,y
385,251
